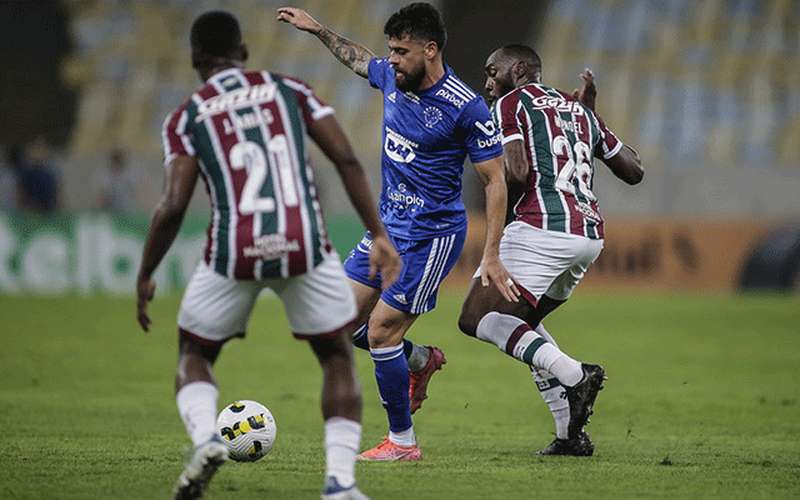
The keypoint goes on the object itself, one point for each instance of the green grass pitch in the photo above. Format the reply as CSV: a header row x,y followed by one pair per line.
x,y
703,401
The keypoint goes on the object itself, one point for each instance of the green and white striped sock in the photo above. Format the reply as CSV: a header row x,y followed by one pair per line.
x,y
517,339
552,391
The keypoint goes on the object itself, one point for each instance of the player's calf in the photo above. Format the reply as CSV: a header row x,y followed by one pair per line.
x,y
341,409
417,355
361,337
366,298
341,392
517,339
195,359
474,308
196,392
386,330
468,323
482,300
581,381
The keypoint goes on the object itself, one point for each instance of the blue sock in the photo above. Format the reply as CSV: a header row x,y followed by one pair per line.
x,y
360,338
361,341
391,372
408,348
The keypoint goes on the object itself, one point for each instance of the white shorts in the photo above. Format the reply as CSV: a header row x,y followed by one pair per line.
x,y
215,309
545,262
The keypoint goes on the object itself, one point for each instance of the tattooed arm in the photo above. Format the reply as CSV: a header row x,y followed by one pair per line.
x,y
351,54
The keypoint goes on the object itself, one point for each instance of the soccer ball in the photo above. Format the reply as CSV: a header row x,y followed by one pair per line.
x,y
248,430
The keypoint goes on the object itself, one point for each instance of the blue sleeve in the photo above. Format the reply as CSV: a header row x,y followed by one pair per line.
x,y
377,72
482,139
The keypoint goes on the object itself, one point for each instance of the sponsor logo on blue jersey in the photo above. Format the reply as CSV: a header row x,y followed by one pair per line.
x,y
398,148
451,98
490,131
402,197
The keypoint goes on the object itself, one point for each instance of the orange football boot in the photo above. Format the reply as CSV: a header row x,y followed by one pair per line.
x,y
388,451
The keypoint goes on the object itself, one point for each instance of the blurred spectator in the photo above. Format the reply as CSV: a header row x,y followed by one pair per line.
x,y
9,184
117,185
38,179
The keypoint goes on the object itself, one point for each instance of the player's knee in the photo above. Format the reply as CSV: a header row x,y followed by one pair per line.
x,y
189,346
195,361
340,370
467,322
471,312
383,332
332,350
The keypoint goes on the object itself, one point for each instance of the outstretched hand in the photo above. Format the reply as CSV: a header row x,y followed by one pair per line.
x,y
145,290
492,270
383,258
587,93
299,18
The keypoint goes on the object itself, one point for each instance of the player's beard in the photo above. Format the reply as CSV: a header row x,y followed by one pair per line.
x,y
411,81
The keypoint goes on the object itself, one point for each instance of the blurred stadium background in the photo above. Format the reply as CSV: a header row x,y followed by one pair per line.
x,y
705,90
703,400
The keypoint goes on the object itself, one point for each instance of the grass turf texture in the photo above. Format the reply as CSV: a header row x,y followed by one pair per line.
x,y
702,400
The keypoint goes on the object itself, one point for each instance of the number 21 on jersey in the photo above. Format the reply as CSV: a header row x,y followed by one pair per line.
x,y
250,156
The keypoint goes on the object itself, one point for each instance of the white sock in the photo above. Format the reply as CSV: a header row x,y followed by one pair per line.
x,y
419,357
568,371
404,438
552,391
516,338
342,438
197,404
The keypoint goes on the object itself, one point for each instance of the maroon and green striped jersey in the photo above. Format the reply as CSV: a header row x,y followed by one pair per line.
x,y
247,130
562,137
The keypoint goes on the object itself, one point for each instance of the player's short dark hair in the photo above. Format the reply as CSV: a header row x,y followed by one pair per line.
x,y
419,20
216,33
523,53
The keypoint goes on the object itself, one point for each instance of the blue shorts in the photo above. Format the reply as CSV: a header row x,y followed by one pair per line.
x,y
426,264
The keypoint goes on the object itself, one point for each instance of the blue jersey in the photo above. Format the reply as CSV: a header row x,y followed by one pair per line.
x,y
426,137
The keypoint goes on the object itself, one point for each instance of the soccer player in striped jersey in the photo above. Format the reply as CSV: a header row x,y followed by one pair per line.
x,y
244,132
431,122
550,140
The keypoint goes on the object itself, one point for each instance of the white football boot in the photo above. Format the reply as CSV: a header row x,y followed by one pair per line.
x,y
200,468
334,491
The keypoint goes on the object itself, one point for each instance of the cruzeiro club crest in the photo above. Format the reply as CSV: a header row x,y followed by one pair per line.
x,y
432,115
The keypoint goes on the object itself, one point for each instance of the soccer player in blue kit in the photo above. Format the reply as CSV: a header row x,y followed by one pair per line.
x,y
431,122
